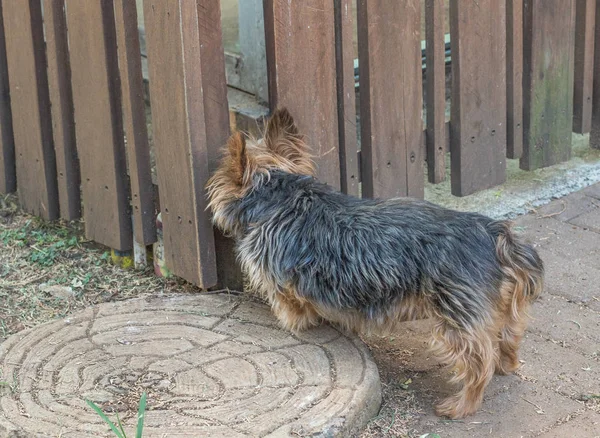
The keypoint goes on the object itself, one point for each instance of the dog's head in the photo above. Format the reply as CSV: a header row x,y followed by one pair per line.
x,y
282,148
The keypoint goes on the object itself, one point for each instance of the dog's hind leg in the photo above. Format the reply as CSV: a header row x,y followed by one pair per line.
x,y
294,313
471,354
510,340
523,283
514,313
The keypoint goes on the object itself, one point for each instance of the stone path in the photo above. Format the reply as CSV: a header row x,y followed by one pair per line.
x,y
212,365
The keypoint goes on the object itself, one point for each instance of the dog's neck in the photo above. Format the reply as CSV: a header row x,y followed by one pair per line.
x,y
267,198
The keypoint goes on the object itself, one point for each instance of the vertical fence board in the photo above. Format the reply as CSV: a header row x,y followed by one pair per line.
x,y
478,122
389,47
595,129
301,65
346,97
514,78
548,34
585,23
435,90
61,98
98,122
8,177
216,113
177,92
134,117
26,57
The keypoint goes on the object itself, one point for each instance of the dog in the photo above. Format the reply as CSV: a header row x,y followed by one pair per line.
x,y
368,264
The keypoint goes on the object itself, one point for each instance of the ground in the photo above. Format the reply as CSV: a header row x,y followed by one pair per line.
x,y
48,271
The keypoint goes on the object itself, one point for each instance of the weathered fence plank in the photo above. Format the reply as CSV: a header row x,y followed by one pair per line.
x,y
435,91
134,116
26,57
98,122
346,97
595,129
478,121
585,23
389,48
547,82
216,114
8,177
301,63
178,68
514,78
61,99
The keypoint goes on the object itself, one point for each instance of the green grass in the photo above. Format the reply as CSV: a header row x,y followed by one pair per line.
x,y
48,270
46,242
118,429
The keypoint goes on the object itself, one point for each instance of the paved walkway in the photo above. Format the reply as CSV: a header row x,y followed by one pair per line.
x,y
556,392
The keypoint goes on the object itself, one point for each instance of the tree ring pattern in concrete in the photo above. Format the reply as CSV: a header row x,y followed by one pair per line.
x,y
212,365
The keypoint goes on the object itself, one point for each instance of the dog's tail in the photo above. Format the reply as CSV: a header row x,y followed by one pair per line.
x,y
521,264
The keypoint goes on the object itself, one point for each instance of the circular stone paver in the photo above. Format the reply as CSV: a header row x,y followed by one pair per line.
x,y
212,365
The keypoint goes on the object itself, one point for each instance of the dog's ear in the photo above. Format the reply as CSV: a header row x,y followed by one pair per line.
x,y
238,156
281,132
284,140
281,125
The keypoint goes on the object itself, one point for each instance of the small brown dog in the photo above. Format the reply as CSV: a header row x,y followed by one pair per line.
x,y
369,264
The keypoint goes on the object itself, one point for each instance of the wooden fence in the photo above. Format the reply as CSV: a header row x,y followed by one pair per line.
x,y
73,121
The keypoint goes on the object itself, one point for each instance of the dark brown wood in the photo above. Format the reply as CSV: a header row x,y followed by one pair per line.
x,y
8,177
436,90
346,97
99,123
585,24
61,99
301,64
514,78
179,92
595,129
548,47
26,57
216,113
478,121
134,117
389,52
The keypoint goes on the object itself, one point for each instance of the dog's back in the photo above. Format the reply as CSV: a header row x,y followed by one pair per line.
x,y
351,253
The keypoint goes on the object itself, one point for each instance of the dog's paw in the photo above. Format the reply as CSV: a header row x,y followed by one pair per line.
x,y
455,407
506,365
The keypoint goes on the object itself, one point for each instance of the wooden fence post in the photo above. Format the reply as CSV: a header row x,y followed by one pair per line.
x,y
99,122
134,116
346,97
478,122
595,129
30,103
216,113
514,78
190,123
585,23
390,68
8,177
61,98
548,46
301,63
436,91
